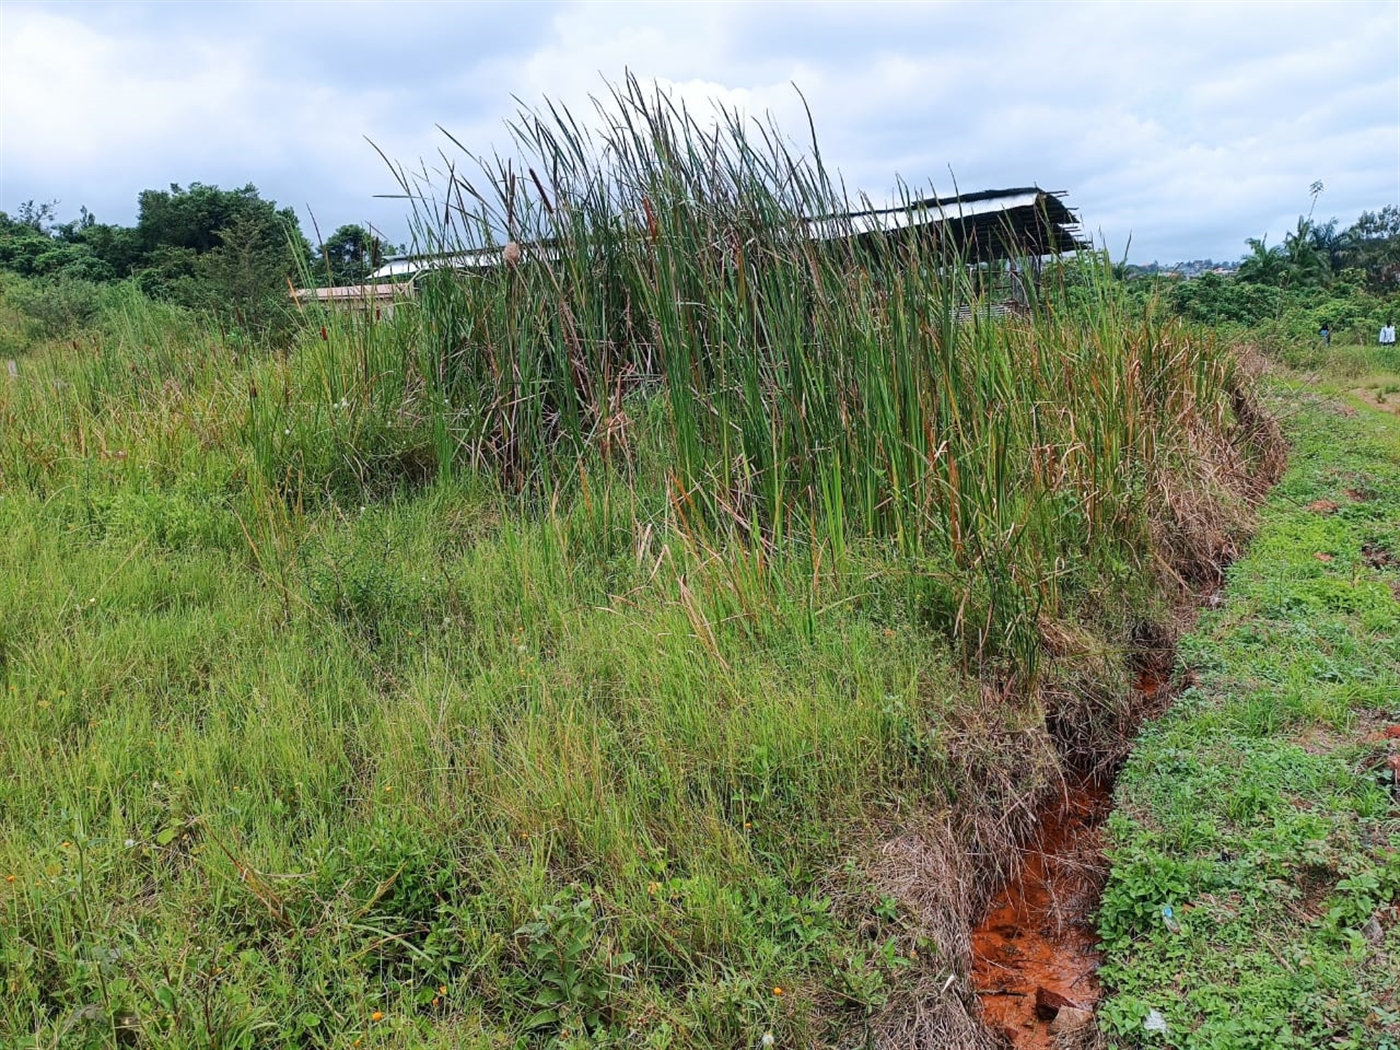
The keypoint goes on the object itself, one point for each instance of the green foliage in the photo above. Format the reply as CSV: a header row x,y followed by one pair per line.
x,y
1263,265
810,387
349,255
228,252
544,664
1317,253
55,309
1214,300
1254,807
196,217
1373,246
571,971
32,247
225,252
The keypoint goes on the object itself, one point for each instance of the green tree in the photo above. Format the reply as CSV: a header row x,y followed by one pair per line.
x,y
117,246
1307,265
192,218
248,272
21,244
351,254
1332,244
1374,247
1263,265
227,251
33,245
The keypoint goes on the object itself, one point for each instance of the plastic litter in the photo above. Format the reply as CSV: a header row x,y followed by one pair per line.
x,y
1154,1022
1169,919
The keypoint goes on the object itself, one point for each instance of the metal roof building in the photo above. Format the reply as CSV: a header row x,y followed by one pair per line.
x,y
1026,222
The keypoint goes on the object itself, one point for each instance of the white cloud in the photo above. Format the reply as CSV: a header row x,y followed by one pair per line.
x,y
1190,125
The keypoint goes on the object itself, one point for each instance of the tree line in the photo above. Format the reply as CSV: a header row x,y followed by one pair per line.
x,y
1346,278
1320,253
226,251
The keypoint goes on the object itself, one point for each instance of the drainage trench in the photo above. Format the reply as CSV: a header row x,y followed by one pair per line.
x,y
1035,954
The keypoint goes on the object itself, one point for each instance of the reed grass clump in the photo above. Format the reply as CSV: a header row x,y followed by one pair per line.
x,y
689,306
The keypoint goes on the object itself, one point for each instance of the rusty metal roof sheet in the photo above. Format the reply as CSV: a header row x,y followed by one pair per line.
x,y
984,225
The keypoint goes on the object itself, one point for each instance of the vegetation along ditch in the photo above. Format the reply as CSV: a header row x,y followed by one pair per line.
x,y
669,636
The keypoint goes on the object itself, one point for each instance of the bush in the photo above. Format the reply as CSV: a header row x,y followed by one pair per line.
x,y
54,309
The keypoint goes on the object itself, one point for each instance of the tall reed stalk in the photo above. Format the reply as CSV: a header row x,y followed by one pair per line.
x,y
821,385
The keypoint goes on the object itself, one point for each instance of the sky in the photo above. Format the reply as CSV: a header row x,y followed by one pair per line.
x,y
1176,129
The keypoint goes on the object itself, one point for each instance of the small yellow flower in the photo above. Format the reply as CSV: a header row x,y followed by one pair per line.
x,y
11,878
378,1015
777,989
388,788
442,990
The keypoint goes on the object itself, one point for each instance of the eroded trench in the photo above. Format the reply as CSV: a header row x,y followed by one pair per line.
x,y
1007,890
1035,955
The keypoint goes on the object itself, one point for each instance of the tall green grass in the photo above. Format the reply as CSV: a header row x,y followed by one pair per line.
x,y
595,638
817,391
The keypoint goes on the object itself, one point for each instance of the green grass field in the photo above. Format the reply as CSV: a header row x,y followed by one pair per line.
x,y
1263,808
447,764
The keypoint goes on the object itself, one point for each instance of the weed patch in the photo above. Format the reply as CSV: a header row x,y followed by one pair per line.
x,y
1259,807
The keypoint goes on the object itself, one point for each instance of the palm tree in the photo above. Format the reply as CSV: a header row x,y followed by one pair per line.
x,y
1334,244
1306,265
1264,265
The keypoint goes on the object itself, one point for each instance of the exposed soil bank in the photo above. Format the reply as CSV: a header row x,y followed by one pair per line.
x,y
1036,952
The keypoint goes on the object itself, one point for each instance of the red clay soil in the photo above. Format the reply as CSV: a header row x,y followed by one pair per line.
x,y
1036,952
1038,942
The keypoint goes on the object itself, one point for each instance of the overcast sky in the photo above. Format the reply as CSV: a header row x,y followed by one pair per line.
x,y
1185,127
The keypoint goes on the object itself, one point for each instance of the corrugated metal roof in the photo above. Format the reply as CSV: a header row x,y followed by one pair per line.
x,y
479,259
920,213
988,224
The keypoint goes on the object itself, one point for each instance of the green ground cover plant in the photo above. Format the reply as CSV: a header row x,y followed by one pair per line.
x,y
664,639
1263,808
